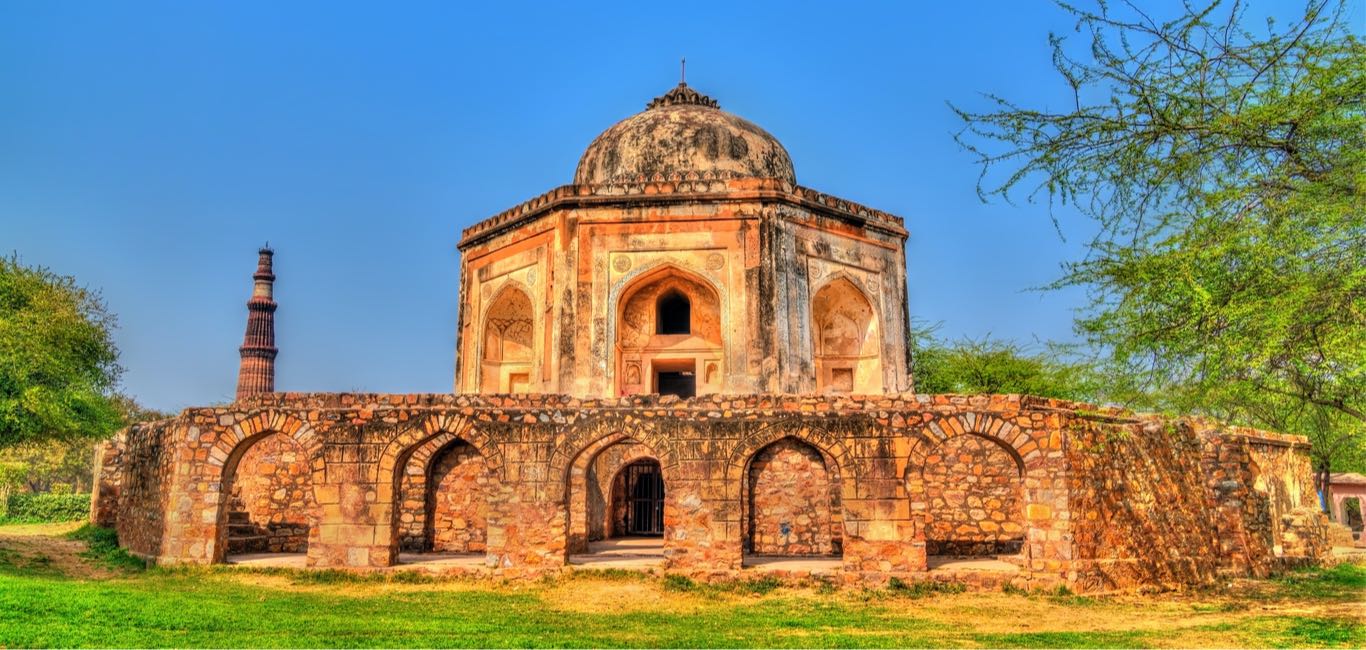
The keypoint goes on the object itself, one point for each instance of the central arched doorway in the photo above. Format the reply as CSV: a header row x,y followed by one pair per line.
x,y
638,500
668,335
615,506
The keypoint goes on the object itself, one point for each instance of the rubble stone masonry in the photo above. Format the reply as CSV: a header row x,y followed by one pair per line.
x,y
1101,500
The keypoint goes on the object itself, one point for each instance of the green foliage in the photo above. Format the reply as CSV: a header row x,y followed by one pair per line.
x,y
675,582
923,588
50,465
58,362
102,547
41,606
1345,581
996,366
1225,168
25,508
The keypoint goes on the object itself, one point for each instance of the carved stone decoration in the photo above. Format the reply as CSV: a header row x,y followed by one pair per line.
x,y
815,272
621,264
715,262
531,276
633,374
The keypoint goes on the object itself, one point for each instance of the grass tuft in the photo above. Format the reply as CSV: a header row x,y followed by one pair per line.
x,y
923,588
102,547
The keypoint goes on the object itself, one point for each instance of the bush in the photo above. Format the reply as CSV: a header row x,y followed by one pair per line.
x,y
45,508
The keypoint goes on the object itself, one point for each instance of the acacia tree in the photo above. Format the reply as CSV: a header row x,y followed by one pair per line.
x,y
58,362
1224,167
990,365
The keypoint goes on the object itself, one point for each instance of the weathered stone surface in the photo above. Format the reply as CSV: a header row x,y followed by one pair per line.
x,y
685,260
1104,500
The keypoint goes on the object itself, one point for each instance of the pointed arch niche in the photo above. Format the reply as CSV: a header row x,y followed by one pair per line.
x,y
844,328
669,335
505,364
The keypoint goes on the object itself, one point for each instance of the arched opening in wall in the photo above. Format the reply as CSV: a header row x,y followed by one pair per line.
x,y
673,313
971,494
1350,515
616,513
792,506
443,504
506,360
269,511
668,336
637,501
848,353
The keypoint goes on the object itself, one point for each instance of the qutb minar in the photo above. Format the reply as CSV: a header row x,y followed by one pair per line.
x,y
257,372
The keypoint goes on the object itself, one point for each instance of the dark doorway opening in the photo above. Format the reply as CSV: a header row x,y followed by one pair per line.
x,y
644,496
680,383
673,314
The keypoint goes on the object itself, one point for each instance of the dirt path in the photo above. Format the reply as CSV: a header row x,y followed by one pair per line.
x,y
45,546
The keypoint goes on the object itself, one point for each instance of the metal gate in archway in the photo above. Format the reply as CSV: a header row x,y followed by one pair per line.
x,y
645,498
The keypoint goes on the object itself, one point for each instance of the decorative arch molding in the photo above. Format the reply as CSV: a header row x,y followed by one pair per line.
x,y
859,284
231,444
1024,445
449,426
590,437
496,295
228,444
638,277
825,440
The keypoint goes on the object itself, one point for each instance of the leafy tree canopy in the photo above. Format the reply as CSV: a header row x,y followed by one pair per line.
x,y
58,362
999,366
1224,164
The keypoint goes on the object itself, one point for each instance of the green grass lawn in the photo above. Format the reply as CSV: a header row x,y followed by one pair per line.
x,y
55,593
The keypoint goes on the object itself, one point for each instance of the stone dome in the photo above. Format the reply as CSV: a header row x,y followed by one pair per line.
x,y
683,133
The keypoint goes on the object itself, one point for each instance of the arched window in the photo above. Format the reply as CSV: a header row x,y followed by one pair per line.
x,y
673,314
844,330
508,344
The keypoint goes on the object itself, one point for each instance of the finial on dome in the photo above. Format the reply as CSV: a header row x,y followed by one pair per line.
x,y
682,95
683,71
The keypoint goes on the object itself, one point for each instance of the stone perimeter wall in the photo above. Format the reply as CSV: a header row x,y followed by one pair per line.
x,y
1106,501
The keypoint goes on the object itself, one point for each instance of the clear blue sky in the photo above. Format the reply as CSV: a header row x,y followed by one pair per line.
x,y
148,149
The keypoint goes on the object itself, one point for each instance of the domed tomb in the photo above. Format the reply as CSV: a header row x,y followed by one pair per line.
x,y
685,260
683,134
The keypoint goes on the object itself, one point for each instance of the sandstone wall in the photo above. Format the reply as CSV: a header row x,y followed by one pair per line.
x,y
458,502
108,475
975,492
790,509
757,252
1183,502
1105,499
146,487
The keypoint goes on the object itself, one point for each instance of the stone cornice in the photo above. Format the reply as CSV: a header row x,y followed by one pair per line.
x,y
689,188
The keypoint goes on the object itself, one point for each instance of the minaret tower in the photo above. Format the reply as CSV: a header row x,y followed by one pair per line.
x,y
257,374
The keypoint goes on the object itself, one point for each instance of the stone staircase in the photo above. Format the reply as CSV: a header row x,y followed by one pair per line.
x,y
243,536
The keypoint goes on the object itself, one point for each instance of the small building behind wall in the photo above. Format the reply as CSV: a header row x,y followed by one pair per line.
x,y
1347,498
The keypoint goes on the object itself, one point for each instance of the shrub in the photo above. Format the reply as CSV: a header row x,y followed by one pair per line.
x,y
44,508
